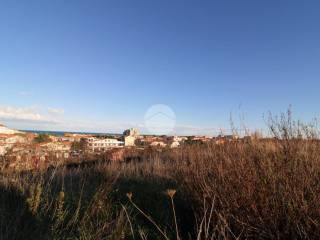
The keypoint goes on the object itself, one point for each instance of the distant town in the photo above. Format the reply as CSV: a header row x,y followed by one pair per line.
x,y
30,150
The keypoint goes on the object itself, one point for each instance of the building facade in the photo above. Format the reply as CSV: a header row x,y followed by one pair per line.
x,y
133,132
95,145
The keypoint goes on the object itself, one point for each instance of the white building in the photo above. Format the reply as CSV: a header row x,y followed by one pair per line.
x,y
175,144
158,144
5,130
130,136
179,139
3,150
95,144
8,141
129,141
57,146
16,139
133,132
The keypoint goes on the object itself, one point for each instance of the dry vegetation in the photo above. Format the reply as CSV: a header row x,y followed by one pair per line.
x,y
262,189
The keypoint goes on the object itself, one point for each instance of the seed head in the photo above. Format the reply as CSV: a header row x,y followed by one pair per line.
x,y
171,192
129,195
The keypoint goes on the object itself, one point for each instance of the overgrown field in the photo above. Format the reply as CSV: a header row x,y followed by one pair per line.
x,y
260,189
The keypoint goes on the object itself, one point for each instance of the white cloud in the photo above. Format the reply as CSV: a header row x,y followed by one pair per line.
x,y
187,130
57,111
54,119
93,126
24,114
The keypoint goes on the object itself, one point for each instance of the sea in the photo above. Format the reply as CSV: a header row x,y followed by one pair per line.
x,y
62,133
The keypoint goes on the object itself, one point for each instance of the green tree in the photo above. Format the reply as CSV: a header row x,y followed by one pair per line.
x,y
81,145
42,137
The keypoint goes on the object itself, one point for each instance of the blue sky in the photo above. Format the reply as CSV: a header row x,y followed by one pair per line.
x,y
100,65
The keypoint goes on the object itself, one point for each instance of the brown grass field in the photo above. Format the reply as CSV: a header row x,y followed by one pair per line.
x,y
258,189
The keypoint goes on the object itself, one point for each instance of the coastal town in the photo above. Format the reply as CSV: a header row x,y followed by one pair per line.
x,y
29,150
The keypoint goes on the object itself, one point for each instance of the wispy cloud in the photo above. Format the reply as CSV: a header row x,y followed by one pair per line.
x,y
23,114
56,111
94,126
54,119
182,129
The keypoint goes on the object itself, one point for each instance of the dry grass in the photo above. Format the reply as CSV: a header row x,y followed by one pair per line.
x,y
262,189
